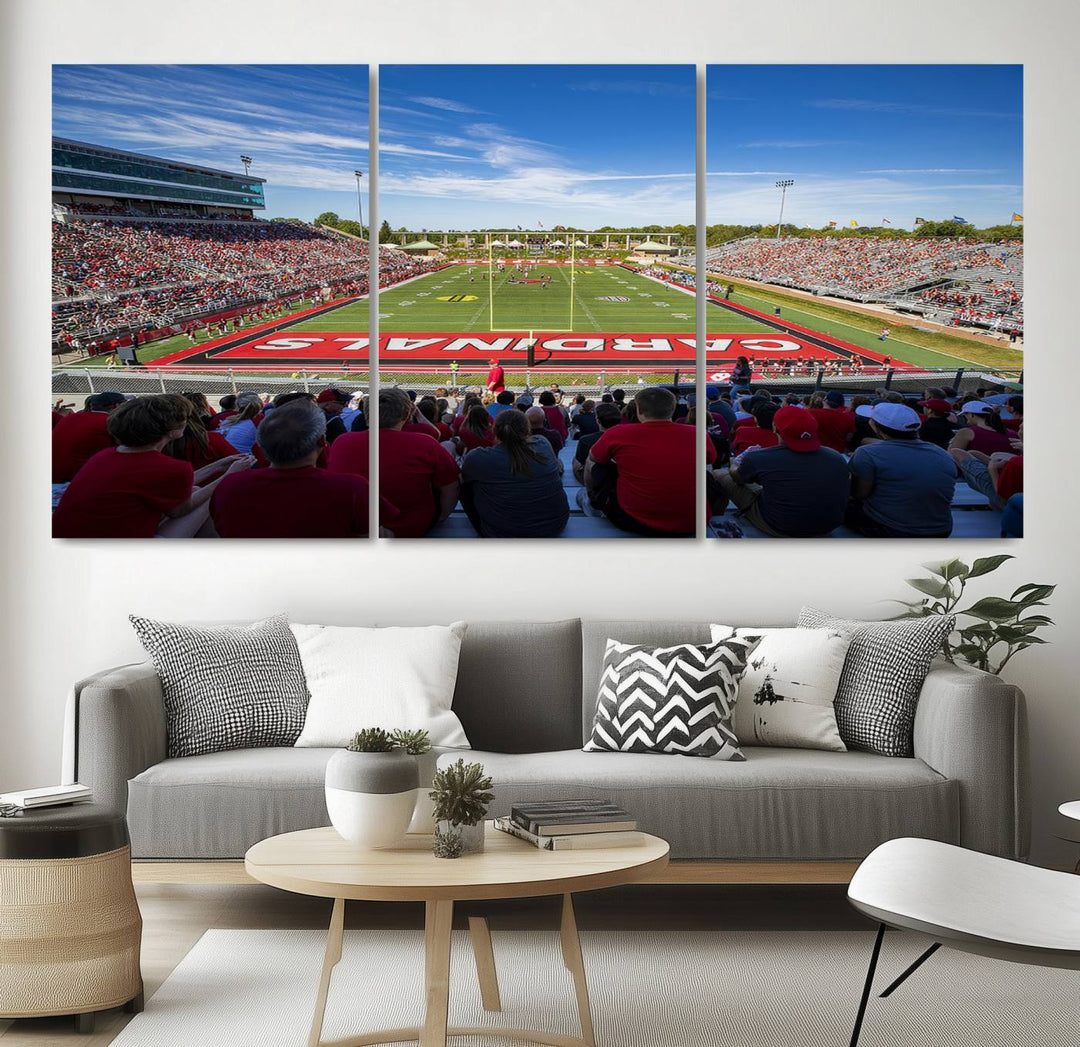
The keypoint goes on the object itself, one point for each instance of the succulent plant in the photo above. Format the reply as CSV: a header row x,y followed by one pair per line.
x,y
447,843
461,793
371,740
415,743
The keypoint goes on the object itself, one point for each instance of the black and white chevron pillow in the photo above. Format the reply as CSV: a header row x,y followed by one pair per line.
x,y
670,699
227,687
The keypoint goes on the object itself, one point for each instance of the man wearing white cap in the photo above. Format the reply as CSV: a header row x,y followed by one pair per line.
x,y
902,486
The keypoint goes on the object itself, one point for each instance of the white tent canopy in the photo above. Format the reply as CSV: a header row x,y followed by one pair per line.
x,y
580,243
514,243
497,243
556,243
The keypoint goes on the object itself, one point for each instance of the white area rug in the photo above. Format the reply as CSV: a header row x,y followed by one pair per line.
x,y
257,989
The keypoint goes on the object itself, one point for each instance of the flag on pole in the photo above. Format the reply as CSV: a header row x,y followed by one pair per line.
x,y
886,221
960,221
539,223
832,225
1017,217
919,221
854,224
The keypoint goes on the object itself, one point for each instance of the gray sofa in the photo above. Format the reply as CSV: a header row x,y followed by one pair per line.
x,y
525,695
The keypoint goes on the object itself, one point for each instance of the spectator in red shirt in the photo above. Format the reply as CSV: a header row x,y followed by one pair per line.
x,y
835,422
643,477
496,377
293,498
416,474
760,434
556,414
76,438
477,430
538,426
133,490
228,408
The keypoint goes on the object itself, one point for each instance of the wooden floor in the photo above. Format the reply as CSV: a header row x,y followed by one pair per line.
x,y
176,915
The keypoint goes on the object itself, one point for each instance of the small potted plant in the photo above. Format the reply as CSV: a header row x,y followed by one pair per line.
x,y
460,794
372,786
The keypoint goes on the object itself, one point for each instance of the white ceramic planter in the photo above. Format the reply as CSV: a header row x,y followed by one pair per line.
x,y
423,819
472,836
371,797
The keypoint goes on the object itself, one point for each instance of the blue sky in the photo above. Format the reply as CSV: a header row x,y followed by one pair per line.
x,y
561,144
865,143
304,126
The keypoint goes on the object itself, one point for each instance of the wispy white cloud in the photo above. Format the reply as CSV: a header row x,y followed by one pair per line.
x,y
931,170
870,105
450,105
652,88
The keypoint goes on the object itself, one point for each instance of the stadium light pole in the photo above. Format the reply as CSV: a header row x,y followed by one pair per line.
x,y
247,162
359,200
783,186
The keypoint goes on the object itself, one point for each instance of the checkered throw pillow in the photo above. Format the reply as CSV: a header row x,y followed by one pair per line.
x,y
670,699
227,687
883,675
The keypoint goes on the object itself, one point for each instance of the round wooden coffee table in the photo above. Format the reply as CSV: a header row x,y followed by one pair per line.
x,y
319,862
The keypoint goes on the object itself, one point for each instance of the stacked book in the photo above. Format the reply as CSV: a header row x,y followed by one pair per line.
x,y
50,796
567,825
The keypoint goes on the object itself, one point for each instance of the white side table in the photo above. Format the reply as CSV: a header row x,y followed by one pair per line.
x,y
1072,810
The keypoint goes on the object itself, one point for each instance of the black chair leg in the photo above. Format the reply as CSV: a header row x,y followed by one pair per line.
x,y
84,1023
135,1004
912,969
868,986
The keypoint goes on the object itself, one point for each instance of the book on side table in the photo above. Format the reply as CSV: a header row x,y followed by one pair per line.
x,y
570,824
50,796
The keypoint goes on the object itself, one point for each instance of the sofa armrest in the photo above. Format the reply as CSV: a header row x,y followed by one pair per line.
x,y
116,730
971,726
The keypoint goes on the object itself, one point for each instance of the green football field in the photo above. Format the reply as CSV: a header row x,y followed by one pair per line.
x,y
580,300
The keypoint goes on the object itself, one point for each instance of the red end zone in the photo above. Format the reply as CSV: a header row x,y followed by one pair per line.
x,y
420,350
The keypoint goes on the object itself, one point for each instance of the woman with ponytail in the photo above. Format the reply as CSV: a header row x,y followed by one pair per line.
x,y
514,489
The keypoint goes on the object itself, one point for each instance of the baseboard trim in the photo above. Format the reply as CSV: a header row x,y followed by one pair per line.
x,y
152,872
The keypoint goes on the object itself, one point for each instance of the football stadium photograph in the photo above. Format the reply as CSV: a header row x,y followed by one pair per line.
x,y
882,252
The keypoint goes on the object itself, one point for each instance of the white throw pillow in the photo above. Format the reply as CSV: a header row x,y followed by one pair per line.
x,y
787,692
389,678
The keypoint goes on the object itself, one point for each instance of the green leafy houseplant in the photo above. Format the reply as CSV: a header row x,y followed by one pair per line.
x,y
376,740
447,843
1002,627
461,793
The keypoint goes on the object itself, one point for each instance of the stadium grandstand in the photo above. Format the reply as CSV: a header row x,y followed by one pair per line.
x,y
956,281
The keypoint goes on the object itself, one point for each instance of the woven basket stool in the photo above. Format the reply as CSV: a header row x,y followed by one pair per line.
x,y
70,927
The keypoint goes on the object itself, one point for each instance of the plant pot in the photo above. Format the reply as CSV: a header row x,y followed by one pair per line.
x,y
370,797
423,819
472,836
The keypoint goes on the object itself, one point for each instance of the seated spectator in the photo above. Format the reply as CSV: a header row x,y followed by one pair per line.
x,y
228,408
585,423
607,415
202,406
835,422
556,414
333,402
502,401
429,409
477,430
293,498
797,489
417,476
514,489
939,427
471,400
198,446
760,434
981,430
241,426
538,423
643,477
132,490
863,433
903,487
999,477
77,437
1013,415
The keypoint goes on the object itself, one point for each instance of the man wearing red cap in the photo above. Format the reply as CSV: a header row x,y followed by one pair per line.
x,y
797,489
496,376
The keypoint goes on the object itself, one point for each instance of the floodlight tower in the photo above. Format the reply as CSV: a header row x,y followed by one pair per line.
x,y
784,185
359,200
247,162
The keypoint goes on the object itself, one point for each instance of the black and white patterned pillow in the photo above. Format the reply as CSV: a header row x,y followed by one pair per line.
x,y
883,675
670,699
227,687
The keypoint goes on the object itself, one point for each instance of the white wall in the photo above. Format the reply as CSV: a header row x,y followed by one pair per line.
x,y
65,603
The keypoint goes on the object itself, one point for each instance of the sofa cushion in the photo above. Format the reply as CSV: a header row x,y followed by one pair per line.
x,y
219,804
594,638
781,804
519,685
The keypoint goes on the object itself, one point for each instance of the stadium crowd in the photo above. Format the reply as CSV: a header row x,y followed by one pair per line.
x,y
859,265
884,466
112,276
